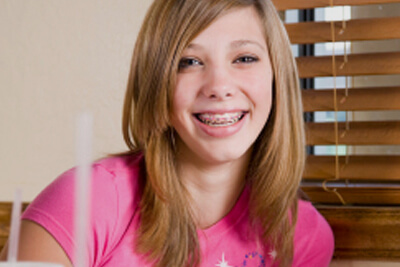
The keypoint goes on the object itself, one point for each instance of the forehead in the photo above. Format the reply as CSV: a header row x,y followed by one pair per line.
x,y
241,26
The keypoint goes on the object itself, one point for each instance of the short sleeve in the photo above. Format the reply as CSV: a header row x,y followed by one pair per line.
x,y
112,207
314,241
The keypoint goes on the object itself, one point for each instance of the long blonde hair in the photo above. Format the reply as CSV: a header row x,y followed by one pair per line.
x,y
167,233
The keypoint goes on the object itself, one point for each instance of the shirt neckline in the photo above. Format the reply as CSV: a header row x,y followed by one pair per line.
x,y
235,215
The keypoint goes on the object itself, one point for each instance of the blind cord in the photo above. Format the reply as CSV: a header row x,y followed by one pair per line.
x,y
336,124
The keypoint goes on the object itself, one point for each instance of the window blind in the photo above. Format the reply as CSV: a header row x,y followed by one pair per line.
x,y
350,178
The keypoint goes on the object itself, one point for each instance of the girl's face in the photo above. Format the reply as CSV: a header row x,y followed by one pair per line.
x,y
224,90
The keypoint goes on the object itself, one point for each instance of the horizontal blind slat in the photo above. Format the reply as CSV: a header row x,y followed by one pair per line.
x,y
354,133
355,196
357,64
368,168
306,4
355,30
384,98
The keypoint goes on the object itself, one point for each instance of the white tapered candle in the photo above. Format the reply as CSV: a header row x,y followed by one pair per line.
x,y
82,186
15,227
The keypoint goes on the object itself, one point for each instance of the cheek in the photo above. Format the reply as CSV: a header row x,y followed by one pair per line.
x,y
179,101
184,95
261,94
182,105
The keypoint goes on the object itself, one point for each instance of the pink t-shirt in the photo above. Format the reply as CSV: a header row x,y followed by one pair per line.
x,y
114,222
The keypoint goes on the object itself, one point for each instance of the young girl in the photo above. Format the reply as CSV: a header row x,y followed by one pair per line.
x,y
213,121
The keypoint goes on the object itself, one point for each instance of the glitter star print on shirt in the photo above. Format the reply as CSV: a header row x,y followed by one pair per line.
x,y
223,263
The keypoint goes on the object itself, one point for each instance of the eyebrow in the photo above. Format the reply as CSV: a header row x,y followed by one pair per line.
x,y
240,43
234,45
194,46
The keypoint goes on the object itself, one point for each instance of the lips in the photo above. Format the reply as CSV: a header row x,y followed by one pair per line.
x,y
220,119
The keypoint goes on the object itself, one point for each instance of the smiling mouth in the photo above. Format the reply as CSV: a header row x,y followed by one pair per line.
x,y
220,119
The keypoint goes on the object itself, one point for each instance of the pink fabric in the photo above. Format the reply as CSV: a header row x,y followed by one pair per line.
x,y
114,221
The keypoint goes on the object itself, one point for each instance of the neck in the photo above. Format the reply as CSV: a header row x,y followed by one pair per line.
x,y
214,189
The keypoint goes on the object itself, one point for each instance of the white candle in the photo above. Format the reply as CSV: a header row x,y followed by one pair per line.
x,y
29,264
82,186
15,225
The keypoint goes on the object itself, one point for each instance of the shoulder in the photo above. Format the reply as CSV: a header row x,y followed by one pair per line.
x,y
125,173
116,189
308,216
313,241
109,176
114,198
116,186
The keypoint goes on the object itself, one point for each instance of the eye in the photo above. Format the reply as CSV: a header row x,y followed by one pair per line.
x,y
185,63
246,59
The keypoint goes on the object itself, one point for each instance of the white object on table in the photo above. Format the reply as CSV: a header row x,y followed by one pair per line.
x,y
15,226
28,264
82,186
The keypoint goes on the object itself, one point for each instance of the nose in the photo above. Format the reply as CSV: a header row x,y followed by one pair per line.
x,y
218,84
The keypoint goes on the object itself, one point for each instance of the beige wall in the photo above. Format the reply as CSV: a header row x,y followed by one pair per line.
x,y
58,58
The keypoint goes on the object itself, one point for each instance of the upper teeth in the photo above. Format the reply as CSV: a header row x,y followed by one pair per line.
x,y
218,120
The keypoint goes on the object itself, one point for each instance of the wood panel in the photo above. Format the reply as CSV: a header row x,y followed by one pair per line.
x,y
353,167
357,64
306,4
355,194
364,232
355,30
5,221
384,98
354,133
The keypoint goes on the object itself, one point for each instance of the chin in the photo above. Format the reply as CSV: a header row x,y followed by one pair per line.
x,y
223,156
